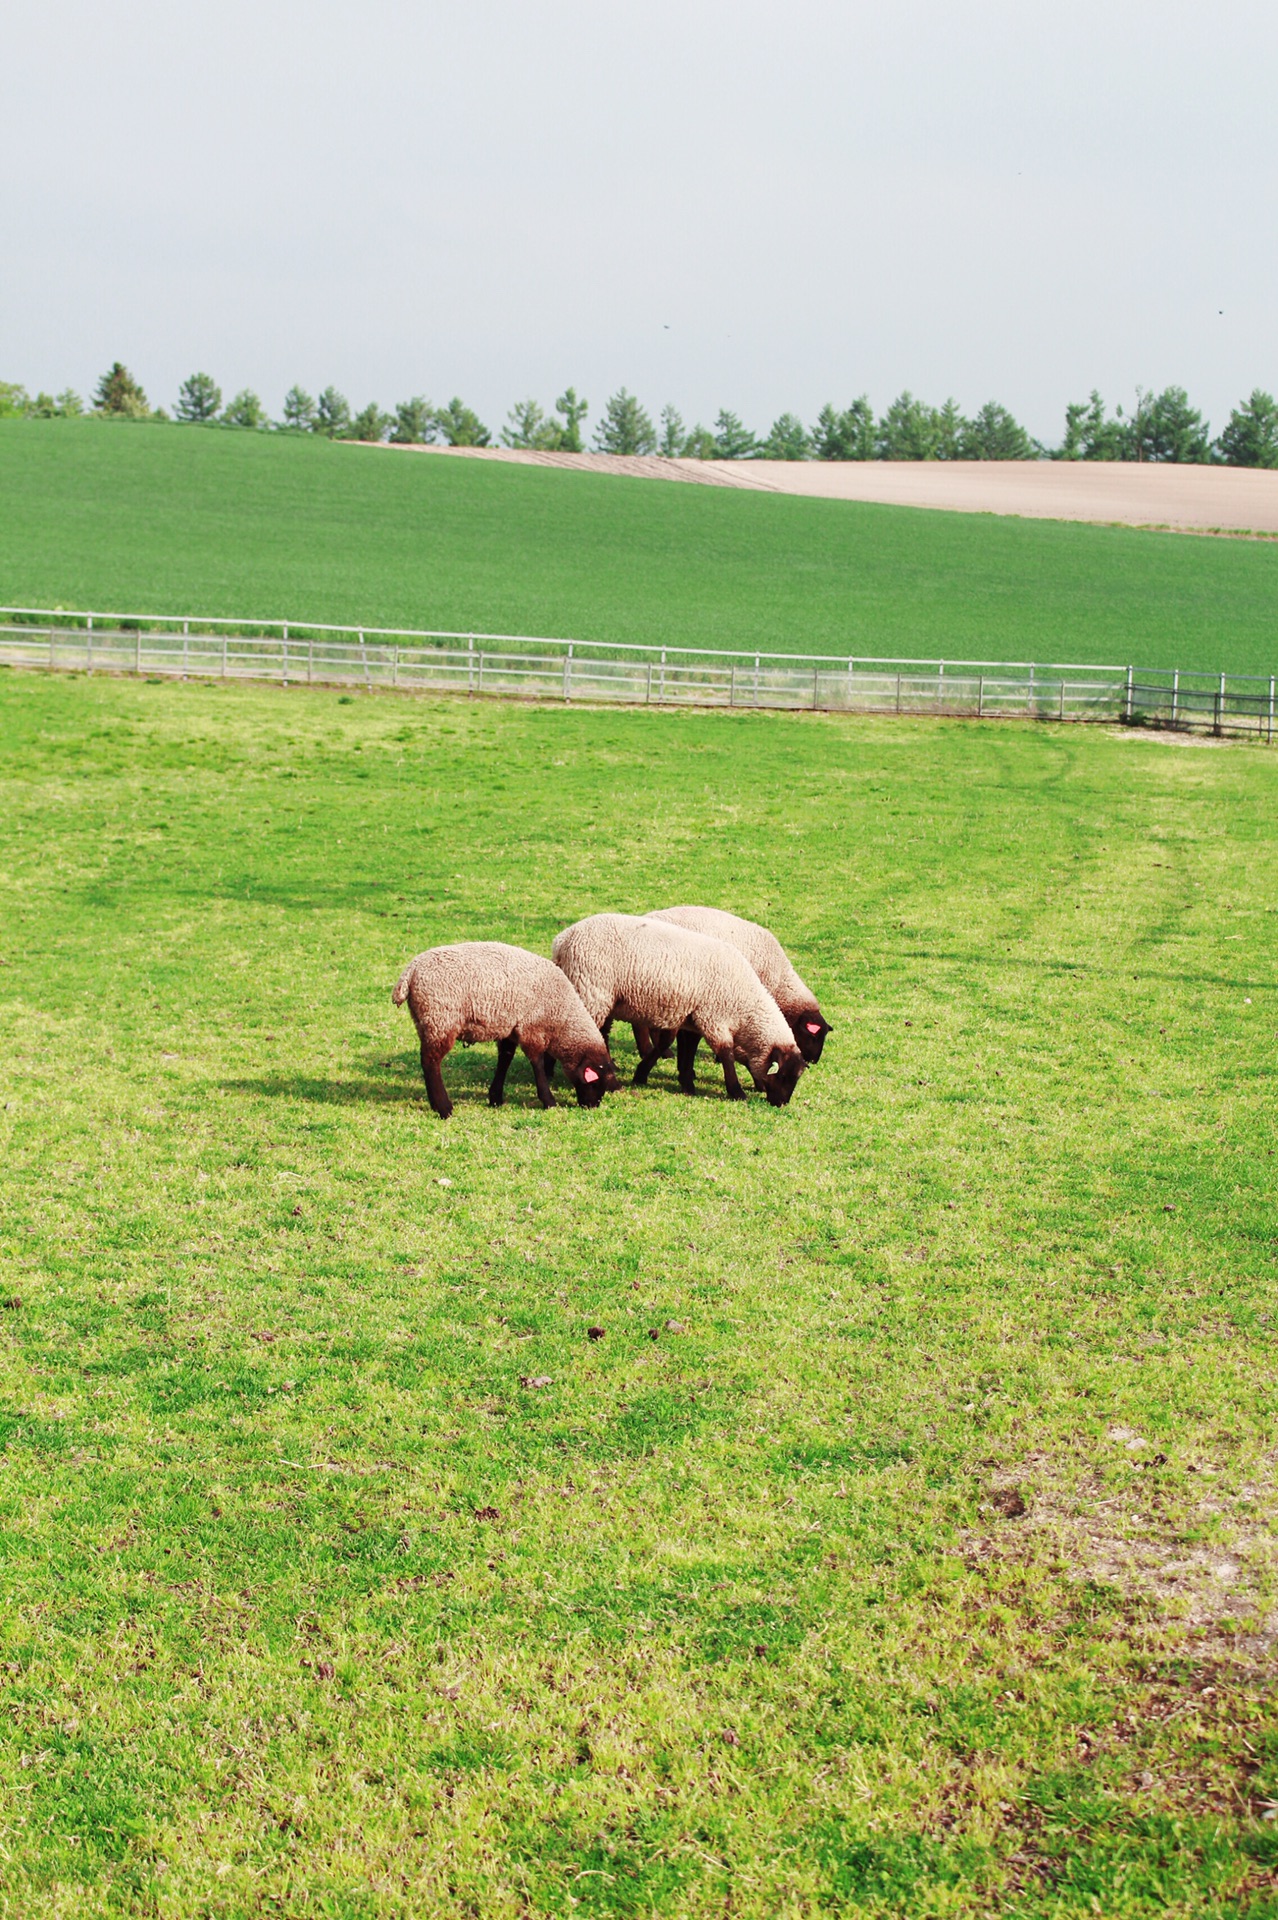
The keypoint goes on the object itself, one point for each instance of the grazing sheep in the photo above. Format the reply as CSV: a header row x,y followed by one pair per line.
x,y
667,978
483,990
770,961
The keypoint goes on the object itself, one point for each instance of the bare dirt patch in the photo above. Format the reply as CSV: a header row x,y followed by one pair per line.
x,y
1226,500
1205,1556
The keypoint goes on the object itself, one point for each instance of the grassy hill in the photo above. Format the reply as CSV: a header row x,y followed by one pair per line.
x,y
188,520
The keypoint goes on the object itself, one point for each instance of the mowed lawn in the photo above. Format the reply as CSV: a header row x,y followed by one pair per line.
x,y
905,1544
133,518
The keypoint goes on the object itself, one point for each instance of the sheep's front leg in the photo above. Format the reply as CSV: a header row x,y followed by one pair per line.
x,y
505,1054
735,1089
643,1037
661,1038
436,1091
688,1043
538,1064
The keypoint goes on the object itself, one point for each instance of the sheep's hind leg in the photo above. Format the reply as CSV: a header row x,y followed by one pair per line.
x,y
661,1038
436,1091
734,1087
686,1053
537,1062
505,1054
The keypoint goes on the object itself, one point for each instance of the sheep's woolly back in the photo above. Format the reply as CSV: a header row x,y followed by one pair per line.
x,y
761,948
485,990
664,975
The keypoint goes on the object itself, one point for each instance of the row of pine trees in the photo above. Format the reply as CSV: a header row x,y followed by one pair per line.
x,y
1160,427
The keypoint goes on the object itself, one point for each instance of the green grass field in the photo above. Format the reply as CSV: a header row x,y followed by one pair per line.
x,y
905,1545
136,518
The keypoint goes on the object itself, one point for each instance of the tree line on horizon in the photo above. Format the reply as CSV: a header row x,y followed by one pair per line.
x,y
1162,427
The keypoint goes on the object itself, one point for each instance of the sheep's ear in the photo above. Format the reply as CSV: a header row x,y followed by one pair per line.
x,y
774,1059
590,1076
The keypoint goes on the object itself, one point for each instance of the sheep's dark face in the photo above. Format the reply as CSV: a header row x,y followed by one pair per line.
x,y
593,1078
780,1080
809,1030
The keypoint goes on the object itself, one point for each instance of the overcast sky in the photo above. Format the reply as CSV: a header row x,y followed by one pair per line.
x,y
721,205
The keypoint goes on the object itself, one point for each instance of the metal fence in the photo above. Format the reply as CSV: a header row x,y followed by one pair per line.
x,y
517,666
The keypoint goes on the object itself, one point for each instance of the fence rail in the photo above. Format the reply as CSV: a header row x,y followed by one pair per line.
x,y
517,666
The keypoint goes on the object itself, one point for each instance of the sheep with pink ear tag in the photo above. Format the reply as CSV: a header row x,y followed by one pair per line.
x,y
484,990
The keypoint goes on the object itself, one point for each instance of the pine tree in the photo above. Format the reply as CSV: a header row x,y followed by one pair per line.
x,y
732,439
845,436
333,414
245,410
119,393
1089,432
299,410
461,427
414,424
370,424
1251,438
625,427
788,440
527,427
996,435
674,435
198,398
572,411
909,430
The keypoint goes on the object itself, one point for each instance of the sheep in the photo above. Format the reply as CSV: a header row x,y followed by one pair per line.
x,y
770,961
666,978
484,990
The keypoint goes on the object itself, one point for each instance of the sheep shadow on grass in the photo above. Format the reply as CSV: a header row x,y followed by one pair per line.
x,y
468,1073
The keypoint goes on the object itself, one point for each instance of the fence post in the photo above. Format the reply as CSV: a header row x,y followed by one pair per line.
x,y
310,659
1031,691
816,676
479,682
284,648
470,663
648,695
662,694
1127,697
756,679
732,686
395,665
1271,709
1220,705
88,658
898,693
568,673
185,648
980,697
51,662
940,683
137,652
1062,713
1175,693
224,656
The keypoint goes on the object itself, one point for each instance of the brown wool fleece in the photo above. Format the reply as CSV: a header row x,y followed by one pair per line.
x,y
761,948
485,990
666,977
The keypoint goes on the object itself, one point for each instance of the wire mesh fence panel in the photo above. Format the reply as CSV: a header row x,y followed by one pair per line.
x,y
523,666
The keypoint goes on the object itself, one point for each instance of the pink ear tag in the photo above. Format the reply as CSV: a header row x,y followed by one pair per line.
x,y
590,1076
814,1026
